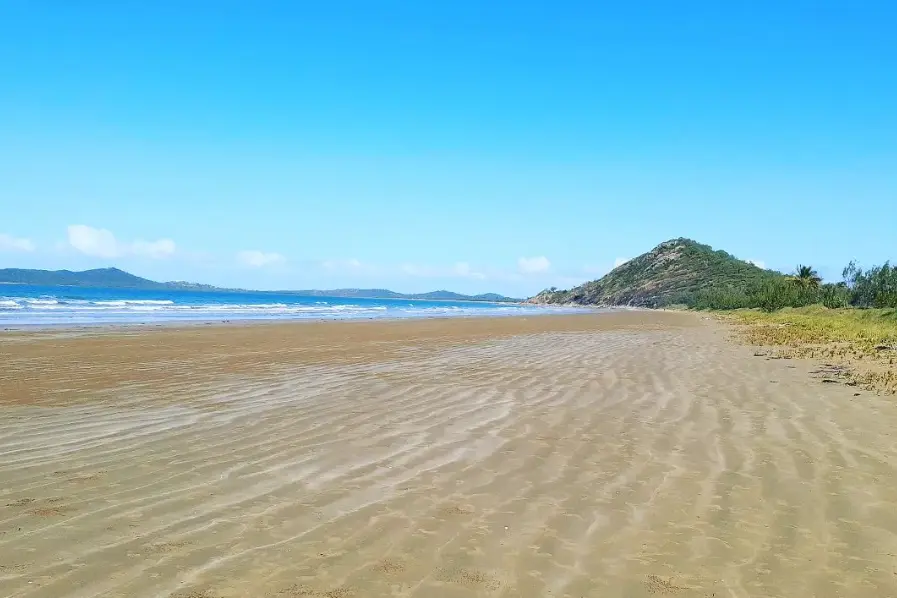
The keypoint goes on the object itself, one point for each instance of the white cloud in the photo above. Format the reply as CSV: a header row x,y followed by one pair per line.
x,y
758,263
602,270
533,265
99,242
342,268
416,270
458,270
10,243
463,270
155,249
351,265
259,259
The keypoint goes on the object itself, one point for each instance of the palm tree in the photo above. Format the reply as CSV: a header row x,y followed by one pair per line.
x,y
806,277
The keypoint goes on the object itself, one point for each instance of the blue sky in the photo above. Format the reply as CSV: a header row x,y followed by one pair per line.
x,y
476,146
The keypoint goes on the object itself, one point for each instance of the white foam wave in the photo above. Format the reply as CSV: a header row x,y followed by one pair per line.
x,y
41,301
62,310
123,302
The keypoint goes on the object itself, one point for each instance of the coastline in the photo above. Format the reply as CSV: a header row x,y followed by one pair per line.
x,y
56,307
274,321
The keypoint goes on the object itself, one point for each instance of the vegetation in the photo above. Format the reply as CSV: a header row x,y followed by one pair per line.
x,y
807,319
793,315
876,287
101,277
806,277
858,346
675,272
684,272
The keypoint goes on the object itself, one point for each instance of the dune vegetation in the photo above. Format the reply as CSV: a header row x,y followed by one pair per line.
x,y
872,288
856,346
850,325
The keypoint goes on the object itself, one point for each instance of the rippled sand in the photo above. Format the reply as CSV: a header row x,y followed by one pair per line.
x,y
631,454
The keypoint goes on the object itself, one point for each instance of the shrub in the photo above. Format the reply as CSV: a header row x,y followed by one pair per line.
x,y
876,287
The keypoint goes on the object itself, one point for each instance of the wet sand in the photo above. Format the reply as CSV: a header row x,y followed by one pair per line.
x,y
615,455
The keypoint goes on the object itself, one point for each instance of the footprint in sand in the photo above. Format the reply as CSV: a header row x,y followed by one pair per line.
x,y
295,591
85,478
389,567
194,594
53,508
453,510
50,511
467,577
166,546
663,586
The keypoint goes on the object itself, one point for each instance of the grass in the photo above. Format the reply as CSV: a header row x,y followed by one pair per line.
x,y
859,344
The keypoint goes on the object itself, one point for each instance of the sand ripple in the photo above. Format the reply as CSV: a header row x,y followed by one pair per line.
x,y
623,462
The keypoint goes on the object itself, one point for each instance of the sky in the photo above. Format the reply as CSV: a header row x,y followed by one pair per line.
x,y
474,146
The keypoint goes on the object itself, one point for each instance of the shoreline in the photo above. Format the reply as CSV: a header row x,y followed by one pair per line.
x,y
237,321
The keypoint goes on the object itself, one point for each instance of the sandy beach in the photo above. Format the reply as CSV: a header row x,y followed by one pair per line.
x,y
616,455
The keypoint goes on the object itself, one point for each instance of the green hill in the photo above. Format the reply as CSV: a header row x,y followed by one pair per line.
x,y
100,277
673,272
113,278
110,278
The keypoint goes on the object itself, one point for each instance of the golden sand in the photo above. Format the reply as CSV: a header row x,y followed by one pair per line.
x,y
616,455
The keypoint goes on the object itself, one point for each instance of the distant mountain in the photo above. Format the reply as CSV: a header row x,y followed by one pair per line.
x,y
111,278
670,273
387,294
101,277
119,279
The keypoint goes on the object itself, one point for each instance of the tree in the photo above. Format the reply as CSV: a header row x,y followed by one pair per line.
x,y
851,273
806,277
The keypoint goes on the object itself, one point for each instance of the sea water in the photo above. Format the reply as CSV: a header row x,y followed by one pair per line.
x,y
28,305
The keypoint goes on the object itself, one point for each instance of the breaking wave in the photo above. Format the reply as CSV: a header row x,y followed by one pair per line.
x,y
107,306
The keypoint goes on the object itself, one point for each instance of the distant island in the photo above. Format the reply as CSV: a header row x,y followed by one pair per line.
x,y
114,278
387,294
111,278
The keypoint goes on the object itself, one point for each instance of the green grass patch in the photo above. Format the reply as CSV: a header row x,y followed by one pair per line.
x,y
869,328
864,341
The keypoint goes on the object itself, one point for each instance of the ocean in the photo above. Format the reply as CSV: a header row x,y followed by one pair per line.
x,y
27,305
